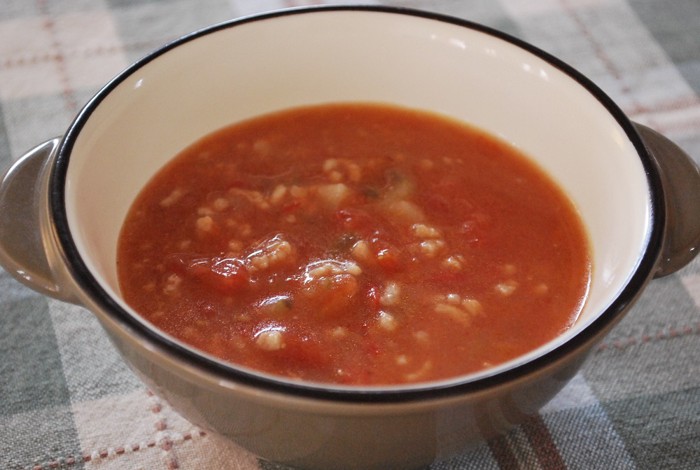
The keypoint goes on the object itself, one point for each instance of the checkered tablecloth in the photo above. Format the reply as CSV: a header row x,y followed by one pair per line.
x,y
66,399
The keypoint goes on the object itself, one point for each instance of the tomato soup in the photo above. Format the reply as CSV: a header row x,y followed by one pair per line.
x,y
357,244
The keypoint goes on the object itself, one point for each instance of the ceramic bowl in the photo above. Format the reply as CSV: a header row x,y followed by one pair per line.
x,y
73,192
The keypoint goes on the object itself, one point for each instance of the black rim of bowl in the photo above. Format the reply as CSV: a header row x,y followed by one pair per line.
x,y
92,288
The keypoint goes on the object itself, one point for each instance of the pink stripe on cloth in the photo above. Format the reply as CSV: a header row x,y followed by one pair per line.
x,y
541,440
503,454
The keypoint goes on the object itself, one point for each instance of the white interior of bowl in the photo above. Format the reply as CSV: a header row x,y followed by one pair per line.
x,y
337,56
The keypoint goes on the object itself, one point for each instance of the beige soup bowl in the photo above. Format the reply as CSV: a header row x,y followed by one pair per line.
x,y
78,188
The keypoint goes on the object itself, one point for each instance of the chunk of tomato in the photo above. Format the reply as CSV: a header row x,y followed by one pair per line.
x,y
329,296
389,257
226,275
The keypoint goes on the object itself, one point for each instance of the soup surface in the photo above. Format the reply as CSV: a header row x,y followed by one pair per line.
x,y
355,244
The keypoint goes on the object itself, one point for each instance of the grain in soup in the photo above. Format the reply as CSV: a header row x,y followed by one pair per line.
x,y
358,244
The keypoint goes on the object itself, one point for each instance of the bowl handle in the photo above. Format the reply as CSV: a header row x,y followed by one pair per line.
x,y
26,248
680,177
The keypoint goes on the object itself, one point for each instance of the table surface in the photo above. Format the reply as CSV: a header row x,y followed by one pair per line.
x,y
68,401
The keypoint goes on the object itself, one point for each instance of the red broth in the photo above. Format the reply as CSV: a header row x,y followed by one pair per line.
x,y
355,244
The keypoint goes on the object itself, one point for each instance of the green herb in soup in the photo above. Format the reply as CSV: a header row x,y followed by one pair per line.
x,y
355,244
